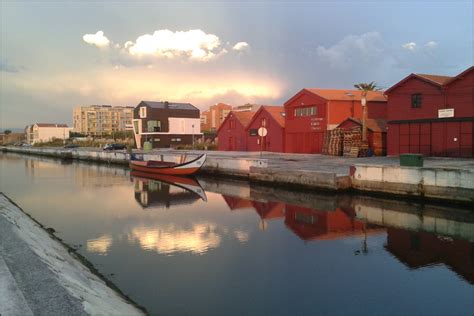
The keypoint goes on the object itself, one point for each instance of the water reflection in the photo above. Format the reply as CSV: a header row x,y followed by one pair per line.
x,y
161,191
170,239
252,249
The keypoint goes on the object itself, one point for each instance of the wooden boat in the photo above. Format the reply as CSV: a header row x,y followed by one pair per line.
x,y
189,184
169,168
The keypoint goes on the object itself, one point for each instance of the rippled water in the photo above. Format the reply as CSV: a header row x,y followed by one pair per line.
x,y
221,247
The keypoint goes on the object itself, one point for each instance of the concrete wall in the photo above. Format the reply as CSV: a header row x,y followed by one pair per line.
x,y
438,183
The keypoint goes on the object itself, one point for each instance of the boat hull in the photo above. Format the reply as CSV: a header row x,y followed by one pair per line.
x,y
183,169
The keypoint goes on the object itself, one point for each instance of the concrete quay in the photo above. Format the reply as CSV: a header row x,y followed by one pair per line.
x,y
445,179
41,276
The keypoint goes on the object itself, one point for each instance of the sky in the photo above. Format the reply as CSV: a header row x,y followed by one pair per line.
x,y
57,55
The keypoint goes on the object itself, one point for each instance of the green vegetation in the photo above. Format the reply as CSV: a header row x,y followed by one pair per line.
x,y
199,146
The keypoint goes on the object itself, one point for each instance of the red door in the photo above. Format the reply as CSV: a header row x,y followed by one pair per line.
x,y
438,139
231,143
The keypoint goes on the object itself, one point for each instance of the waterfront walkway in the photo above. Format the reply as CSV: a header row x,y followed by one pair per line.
x,y
39,277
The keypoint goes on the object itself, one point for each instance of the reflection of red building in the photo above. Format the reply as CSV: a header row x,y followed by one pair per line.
x,y
419,249
269,210
310,224
236,203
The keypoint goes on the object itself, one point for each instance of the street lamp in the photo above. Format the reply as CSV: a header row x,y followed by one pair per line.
x,y
363,102
193,137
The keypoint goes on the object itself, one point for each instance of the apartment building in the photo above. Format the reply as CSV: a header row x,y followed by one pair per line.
x,y
102,120
212,119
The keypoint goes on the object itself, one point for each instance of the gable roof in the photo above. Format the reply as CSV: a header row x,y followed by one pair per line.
x,y
274,111
462,74
347,95
435,80
440,80
244,117
169,105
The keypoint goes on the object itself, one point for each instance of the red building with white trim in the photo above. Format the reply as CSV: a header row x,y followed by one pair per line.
x,y
432,115
232,134
273,119
311,112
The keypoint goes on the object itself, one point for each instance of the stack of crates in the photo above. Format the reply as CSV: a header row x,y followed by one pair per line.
x,y
335,142
352,142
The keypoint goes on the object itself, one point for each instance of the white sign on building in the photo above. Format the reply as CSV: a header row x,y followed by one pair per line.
x,y
445,113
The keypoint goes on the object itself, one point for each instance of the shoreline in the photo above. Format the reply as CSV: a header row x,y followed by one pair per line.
x,y
445,181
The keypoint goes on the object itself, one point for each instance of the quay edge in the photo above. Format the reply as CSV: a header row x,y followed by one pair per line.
x,y
436,183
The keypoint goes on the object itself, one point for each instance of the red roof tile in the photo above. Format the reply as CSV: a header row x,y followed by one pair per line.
x,y
440,80
276,113
347,95
244,117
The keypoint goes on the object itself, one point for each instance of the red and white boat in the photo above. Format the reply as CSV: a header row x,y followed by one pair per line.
x,y
171,168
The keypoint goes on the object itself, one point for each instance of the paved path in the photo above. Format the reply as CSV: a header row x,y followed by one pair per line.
x,y
39,277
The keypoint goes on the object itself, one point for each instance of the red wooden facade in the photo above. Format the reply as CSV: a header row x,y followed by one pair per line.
x,y
376,133
311,112
415,124
273,119
232,134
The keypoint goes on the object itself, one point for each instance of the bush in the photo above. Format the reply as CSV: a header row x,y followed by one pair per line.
x,y
198,146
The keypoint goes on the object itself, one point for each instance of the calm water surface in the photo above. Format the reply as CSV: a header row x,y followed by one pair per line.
x,y
238,249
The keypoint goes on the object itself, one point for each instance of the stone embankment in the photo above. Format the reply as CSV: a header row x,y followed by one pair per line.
x,y
441,179
39,275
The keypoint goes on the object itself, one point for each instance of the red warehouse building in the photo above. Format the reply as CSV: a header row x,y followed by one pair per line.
x,y
232,134
311,112
432,115
273,119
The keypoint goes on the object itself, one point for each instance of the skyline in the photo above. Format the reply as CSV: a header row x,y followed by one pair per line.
x,y
55,56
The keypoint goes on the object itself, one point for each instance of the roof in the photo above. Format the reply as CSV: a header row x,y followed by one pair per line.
x,y
436,80
440,80
169,105
50,125
276,113
347,94
375,125
244,117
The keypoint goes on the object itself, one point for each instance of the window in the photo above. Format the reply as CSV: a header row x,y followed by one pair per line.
x,y
154,126
306,111
313,110
263,122
143,112
253,132
416,100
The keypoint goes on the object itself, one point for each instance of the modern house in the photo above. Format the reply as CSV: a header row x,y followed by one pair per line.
x,y
312,112
102,120
432,115
45,132
232,134
212,119
273,119
165,124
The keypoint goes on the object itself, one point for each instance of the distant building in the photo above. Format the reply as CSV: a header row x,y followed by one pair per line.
x,y
232,134
211,119
273,119
432,115
102,120
166,124
45,132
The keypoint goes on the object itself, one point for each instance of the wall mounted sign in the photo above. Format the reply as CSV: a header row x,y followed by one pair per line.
x,y
445,113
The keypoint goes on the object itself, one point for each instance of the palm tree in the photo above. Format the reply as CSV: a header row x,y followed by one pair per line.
x,y
365,87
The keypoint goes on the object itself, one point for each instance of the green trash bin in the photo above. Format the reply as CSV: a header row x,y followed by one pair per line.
x,y
411,160
147,146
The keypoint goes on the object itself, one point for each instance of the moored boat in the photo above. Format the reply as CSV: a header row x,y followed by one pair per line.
x,y
169,168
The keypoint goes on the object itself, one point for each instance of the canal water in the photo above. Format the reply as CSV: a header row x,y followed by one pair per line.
x,y
221,247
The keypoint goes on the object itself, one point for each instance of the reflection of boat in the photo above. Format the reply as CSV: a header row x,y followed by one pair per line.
x,y
168,168
156,189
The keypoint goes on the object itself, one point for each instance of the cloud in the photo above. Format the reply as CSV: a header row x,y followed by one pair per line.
x,y
241,46
410,46
353,50
431,44
194,44
98,39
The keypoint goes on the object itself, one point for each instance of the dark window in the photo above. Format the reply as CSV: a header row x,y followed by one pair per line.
x,y
253,132
154,126
416,100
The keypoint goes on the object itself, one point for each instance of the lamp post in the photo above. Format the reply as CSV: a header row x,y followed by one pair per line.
x,y
193,137
363,102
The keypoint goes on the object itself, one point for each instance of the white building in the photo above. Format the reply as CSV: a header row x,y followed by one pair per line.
x,y
45,132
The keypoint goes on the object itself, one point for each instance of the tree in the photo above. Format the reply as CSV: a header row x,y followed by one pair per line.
x,y
7,131
365,87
